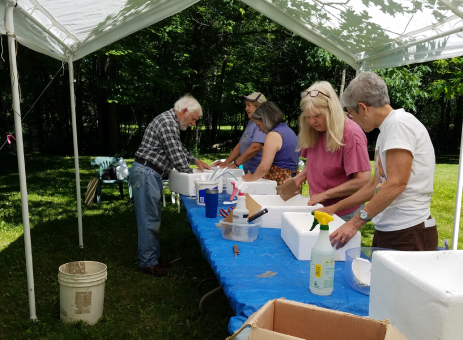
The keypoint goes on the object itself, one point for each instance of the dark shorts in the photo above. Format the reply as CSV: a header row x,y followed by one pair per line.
x,y
416,238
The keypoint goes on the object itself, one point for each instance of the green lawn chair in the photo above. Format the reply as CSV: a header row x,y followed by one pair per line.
x,y
102,163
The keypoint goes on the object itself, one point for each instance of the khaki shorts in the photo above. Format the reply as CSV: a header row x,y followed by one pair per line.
x,y
417,238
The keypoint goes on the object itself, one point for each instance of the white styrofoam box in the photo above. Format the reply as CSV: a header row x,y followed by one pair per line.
x,y
259,187
235,172
295,231
419,292
276,206
184,183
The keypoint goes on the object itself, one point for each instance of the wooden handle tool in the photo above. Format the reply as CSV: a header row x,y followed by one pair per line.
x,y
235,250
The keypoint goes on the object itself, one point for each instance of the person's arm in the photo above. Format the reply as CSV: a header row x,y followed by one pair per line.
x,y
250,152
233,155
363,195
272,144
398,169
300,178
345,189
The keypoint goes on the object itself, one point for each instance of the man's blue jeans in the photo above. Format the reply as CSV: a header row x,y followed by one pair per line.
x,y
146,190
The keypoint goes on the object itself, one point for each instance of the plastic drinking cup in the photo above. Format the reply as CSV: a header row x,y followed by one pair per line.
x,y
212,202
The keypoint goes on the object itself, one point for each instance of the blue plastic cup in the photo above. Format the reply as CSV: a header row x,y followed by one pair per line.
x,y
212,202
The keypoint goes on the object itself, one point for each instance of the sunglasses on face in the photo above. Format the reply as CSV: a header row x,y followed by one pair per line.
x,y
312,93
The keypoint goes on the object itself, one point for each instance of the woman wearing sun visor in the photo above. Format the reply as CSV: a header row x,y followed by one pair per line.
x,y
248,152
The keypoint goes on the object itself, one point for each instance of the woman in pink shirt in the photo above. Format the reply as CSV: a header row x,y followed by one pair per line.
x,y
335,147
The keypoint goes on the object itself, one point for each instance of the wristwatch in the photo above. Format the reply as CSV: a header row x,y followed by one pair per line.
x,y
364,215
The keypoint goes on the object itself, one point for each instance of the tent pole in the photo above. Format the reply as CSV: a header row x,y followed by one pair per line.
x,y
21,163
456,218
76,151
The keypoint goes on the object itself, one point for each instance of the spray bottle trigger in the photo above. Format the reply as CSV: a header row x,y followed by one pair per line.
x,y
315,221
235,190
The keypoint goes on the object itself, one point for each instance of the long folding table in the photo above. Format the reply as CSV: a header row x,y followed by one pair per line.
x,y
240,280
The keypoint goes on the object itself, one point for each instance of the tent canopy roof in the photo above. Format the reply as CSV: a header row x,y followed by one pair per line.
x,y
60,28
367,34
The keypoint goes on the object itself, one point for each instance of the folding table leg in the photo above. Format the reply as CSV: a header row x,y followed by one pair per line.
x,y
164,197
178,202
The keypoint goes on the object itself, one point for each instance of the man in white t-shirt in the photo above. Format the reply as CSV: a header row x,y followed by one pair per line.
x,y
400,192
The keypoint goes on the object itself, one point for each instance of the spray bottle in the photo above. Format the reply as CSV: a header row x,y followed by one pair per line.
x,y
240,218
322,257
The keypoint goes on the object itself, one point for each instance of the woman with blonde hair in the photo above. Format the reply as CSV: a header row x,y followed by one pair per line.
x,y
335,147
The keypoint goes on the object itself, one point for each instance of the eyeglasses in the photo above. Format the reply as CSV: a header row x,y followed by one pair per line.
x,y
349,114
312,93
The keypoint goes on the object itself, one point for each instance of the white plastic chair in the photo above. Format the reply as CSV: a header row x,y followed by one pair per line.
x,y
165,185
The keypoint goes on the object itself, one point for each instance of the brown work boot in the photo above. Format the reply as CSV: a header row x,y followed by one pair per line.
x,y
163,263
156,270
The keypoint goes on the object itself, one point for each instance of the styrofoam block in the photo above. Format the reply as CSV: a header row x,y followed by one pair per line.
x,y
421,293
235,172
184,183
295,231
259,187
276,206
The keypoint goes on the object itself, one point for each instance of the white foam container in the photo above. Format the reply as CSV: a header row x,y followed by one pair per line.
x,y
235,172
295,231
259,187
420,293
184,184
276,206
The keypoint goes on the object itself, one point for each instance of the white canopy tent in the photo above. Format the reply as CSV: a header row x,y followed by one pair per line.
x,y
364,34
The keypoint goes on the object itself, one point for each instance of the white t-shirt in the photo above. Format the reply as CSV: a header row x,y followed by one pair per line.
x,y
401,130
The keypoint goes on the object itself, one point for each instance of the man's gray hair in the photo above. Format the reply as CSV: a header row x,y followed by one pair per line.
x,y
269,114
190,103
367,88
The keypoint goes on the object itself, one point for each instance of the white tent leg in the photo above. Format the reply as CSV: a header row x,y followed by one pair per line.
x,y
456,218
21,162
76,151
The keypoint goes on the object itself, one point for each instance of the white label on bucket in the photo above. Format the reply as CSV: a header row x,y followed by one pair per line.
x,y
83,302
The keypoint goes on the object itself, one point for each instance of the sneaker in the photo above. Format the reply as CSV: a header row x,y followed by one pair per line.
x,y
156,270
163,263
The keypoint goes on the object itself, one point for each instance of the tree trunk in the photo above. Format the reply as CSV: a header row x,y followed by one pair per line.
x,y
39,124
218,101
457,124
113,118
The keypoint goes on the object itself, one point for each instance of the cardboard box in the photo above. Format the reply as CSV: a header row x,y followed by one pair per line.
x,y
295,231
282,319
276,206
421,292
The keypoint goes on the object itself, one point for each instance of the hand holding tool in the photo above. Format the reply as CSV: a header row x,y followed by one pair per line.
x,y
235,250
224,212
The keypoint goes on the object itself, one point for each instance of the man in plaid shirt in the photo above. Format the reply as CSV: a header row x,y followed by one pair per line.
x,y
160,151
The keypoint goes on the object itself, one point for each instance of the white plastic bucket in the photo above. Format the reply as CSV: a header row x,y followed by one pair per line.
x,y
82,286
201,186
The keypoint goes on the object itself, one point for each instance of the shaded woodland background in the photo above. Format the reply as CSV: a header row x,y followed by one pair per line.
x,y
217,50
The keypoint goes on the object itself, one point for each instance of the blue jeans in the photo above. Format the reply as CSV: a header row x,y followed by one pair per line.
x,y
348,216
147,190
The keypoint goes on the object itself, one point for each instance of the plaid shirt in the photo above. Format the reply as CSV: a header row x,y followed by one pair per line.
x,y
161,144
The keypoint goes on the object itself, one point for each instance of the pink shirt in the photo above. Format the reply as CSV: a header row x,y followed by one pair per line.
x,y
326,170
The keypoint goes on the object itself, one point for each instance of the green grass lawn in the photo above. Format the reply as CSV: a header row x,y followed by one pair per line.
x,y
136,306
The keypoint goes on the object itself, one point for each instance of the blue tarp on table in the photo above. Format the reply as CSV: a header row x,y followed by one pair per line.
x,y
244,290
